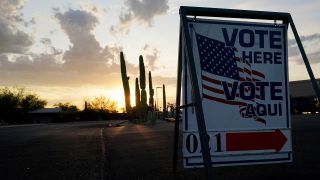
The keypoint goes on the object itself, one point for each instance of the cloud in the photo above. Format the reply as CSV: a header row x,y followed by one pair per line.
x,y
140,10
305,38
85,54
91,8
310,43
152,59
172,81
78,25
44,70
86,62
45,41
124,24
56,9
145,47
13,40
9,11
146,10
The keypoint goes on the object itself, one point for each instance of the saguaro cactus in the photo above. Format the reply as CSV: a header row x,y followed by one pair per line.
x,y
151,91
125,81
143,104
164,101
137,96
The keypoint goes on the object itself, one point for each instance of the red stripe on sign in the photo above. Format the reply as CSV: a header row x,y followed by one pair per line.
x,y
211,80
214,81
257,73
212,89
223,100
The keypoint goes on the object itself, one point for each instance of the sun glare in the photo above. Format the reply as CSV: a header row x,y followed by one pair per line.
x,y
117,96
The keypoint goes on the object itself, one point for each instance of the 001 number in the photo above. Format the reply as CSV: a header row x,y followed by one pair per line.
x,y
192,143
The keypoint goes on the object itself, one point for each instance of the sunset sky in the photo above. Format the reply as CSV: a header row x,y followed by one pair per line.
x,y
66,50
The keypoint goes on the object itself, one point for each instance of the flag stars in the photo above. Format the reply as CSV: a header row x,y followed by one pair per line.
x,y
216,58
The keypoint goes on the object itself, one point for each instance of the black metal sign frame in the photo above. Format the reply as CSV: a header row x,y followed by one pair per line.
x,y
196,101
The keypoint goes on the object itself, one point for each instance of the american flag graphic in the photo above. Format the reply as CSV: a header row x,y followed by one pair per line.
x,y
219,63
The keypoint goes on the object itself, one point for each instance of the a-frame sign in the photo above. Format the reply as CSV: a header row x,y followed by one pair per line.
x,y
234,77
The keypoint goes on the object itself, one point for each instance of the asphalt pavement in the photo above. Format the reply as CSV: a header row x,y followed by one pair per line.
x,y
52,151
121,150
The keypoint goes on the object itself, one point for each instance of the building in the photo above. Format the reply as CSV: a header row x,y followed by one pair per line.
x,y
45,115
303,97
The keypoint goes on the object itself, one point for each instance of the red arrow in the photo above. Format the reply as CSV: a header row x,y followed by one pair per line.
x,y
244,141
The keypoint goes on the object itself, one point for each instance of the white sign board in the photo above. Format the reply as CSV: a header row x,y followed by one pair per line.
x,y
242,70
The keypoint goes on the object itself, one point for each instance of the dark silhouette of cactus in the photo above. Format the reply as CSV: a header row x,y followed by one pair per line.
x,y
85,106
137,97
164,101
125,81
151,91
143,102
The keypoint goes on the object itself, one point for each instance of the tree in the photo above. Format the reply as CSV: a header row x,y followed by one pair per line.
x,y
18,98
32,102
102,104
10,98
67,107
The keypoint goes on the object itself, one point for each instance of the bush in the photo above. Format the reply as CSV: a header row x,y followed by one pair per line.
x,y
16,102
67,107
12,99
